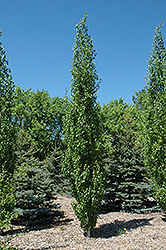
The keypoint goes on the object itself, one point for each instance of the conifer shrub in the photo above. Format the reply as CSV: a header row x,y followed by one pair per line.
x,y
127,189
54,166
35,188
34,194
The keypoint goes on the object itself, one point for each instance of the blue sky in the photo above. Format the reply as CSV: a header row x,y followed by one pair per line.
x,y
38,36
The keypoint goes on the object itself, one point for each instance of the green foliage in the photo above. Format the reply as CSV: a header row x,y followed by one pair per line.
x,y
121,231
33,195
54,166
41,118
7,145
35,189
82,162
7,126
126,188
112,117
7,198
152,105
39,125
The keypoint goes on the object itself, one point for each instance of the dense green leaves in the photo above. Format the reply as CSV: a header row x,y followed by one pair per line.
x,y
7,126
7,198
126,187
31,126
7,142
113,114
35,187
153,118
41,118
53,165
82,132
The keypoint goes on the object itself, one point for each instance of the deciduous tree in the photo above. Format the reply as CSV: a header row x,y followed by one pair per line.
x,y
153,115
7,142
83,163
40,116
7,126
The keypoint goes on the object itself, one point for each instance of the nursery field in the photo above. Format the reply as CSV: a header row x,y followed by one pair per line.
x,y
111,158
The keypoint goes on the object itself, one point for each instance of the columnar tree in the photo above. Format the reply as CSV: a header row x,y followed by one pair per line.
x,y
153,111
7,142
83,133
7,126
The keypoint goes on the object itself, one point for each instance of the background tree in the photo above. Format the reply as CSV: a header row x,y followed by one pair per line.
x,y
54,165
82,163
7,145
153,117
113,118
40,116
126,188
35,187
39,125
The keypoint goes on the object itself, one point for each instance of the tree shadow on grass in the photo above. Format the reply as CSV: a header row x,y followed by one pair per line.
x,y
112,229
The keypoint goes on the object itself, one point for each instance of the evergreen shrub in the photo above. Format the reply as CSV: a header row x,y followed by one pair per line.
x,y
35,188
127,189
54,166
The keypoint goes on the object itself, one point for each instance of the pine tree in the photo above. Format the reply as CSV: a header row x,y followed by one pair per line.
x,y
82,163
54,166
127,189
35,188
153,114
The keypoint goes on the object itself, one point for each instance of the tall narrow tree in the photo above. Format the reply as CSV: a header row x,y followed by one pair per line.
x,y
83,133
7,142
7,126
153,110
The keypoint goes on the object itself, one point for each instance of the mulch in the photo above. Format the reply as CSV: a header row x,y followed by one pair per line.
x,y
114,230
